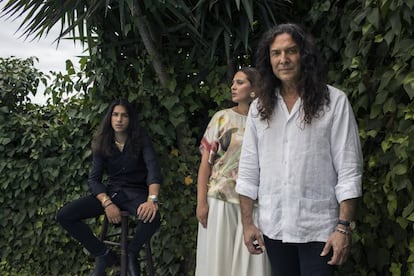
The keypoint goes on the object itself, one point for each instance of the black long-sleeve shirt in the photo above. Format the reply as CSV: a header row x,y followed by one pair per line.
x,y
127,173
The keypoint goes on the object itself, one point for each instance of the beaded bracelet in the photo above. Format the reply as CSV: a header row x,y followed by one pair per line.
x,y
342,231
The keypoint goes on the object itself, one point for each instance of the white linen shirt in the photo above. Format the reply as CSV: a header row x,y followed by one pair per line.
x,y
300,173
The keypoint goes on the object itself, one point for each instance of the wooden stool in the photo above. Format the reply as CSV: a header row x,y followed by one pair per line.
x,y
123,244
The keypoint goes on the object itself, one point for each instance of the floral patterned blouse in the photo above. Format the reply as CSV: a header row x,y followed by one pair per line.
x,y
223,139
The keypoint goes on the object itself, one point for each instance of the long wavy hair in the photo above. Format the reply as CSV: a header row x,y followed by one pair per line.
x,y
312,86
104,137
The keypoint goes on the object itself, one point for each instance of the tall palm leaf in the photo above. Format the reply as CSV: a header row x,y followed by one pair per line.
x,y
222,29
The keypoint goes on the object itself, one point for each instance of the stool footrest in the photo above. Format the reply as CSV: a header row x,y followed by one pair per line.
x,y
116,235
111,243
105,238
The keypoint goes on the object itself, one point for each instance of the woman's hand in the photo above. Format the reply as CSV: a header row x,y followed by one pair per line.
x,y
147,211
202,213
113,213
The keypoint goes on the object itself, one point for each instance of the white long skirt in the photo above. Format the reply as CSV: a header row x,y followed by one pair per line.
x,y
220,246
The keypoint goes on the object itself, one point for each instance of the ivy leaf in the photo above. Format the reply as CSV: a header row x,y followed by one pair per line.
x,y
400,169
385,80
408,210
389,37
373,17
395,268
170,101
395,21
411,217
410,90
5,141
392,204
409,79
390,105
375,111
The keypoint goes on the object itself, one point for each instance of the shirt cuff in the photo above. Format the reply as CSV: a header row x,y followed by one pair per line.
x,y
246,190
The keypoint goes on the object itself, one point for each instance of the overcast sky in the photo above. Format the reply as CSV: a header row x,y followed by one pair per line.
x,y
50,57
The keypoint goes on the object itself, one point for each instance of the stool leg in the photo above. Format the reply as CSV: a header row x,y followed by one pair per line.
x,y
124,245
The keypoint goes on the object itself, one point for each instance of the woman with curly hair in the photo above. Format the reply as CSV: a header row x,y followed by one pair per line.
x,y
301,160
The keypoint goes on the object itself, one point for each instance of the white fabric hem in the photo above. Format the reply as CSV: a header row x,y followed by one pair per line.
x,y
220,246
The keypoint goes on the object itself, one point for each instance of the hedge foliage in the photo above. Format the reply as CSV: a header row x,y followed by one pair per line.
x,y
370,49
46,163
45,151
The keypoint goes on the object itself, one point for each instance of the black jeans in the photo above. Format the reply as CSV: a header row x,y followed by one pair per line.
x,y
71,218
296,259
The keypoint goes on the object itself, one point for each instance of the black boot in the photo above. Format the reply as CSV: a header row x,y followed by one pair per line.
x,y
133,267
102,262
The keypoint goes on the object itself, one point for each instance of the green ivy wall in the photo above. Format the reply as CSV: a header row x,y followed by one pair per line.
x,y
370,48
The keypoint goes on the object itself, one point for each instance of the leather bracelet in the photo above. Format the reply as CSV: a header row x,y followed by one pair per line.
x,y
109,204
344,223
350,225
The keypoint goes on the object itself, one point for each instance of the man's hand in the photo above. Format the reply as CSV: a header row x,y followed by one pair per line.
x,y
253,239
341,245
202,213
113,213
147,211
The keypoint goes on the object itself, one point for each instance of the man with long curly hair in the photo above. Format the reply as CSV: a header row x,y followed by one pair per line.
x,y
125,175
301,158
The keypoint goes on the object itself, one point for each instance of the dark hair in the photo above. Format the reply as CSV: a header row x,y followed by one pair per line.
x,y
103,140
253,77
312,86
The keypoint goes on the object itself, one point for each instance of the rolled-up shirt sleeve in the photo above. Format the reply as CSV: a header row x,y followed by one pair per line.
x,y
249,171
95,176
346,152
151,161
